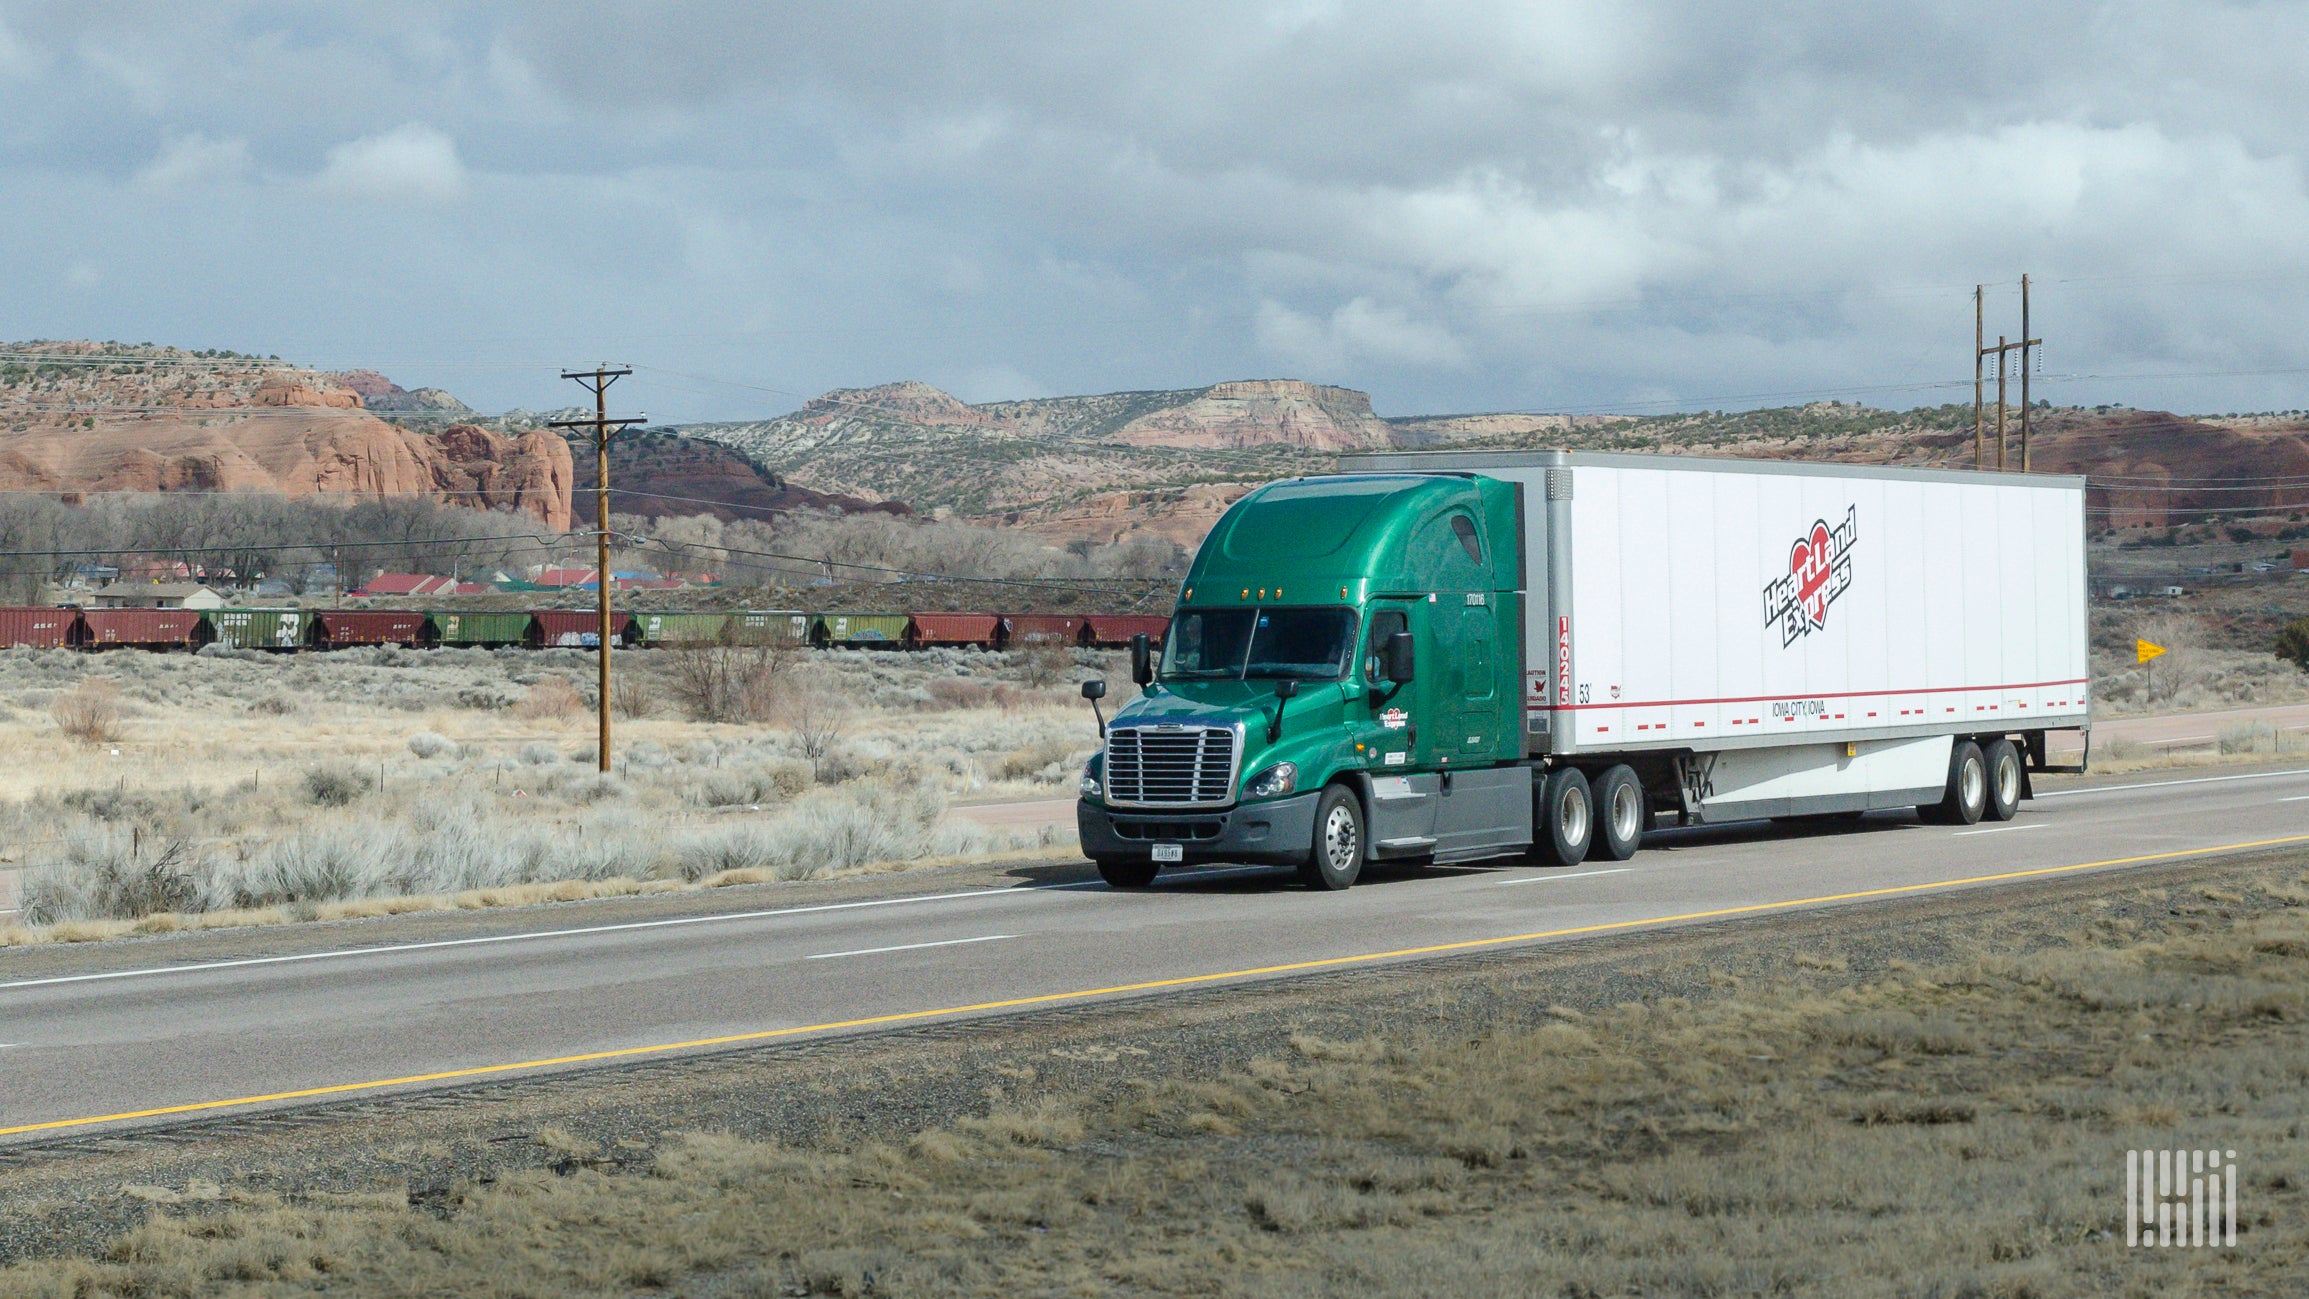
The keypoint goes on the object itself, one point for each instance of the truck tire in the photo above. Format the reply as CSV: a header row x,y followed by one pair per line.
x,y
1967,792
1336,857
1126,872
1566,821
2002,762
1619,813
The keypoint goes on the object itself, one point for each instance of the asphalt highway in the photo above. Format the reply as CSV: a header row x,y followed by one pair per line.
x,y
141,1044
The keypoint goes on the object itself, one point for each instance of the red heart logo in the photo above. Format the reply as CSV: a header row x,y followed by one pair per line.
x,y
1808,564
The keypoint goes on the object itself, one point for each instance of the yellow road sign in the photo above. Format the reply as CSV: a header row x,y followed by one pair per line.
x,y
2146,650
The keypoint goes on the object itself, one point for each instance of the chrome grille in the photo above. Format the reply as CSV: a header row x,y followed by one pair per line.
x,y
1171,766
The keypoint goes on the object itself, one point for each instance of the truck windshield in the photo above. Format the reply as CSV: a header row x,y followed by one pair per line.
x,y
1235,644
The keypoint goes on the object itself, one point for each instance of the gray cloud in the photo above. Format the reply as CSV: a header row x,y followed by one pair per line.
x,y
1455,206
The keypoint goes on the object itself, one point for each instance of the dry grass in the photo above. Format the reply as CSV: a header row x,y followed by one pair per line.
x,y
1920,1132
421,773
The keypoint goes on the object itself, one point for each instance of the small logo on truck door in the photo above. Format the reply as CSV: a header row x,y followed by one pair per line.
x,y
1819,569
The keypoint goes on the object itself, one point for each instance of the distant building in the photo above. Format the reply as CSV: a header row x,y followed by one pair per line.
x,y
399,584
156,595
2301,559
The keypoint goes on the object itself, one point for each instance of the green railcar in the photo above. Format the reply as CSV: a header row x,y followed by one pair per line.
x,y
770,627
484,629
857,630
276,629
681,628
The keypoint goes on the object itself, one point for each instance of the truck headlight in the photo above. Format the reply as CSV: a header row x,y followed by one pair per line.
x,y
1274,782
1089,784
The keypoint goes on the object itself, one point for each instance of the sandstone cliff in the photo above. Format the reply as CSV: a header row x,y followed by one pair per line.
x,y
87,417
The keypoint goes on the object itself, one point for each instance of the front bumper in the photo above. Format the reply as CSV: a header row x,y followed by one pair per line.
x,y
1278,832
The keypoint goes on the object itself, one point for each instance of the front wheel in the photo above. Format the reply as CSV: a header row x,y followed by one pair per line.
x,y
1566,817
1336,857
1126,872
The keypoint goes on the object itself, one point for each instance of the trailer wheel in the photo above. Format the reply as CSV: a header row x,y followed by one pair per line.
x,y
1619,808
2002,761
1126,872
1566,817
1336,857
1967,794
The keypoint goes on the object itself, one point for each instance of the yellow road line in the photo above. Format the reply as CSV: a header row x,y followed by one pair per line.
x,y
1044,999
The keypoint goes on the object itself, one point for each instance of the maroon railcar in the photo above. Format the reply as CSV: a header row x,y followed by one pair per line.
x,y
1113,631
1023,629
576,628
156,629
343,628
984,629
38,627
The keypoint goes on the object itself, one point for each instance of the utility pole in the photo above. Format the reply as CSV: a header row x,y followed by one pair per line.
x,y
1977,356
2003,349
597,381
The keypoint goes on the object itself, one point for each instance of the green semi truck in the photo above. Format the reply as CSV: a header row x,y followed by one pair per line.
x,y
1455,656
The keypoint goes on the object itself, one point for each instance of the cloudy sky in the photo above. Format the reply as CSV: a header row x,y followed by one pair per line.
x,y
1558,206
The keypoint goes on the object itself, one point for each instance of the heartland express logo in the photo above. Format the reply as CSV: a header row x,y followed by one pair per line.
x,y
1819,568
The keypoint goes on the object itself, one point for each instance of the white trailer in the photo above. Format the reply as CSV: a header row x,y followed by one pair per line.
x,y
1767,638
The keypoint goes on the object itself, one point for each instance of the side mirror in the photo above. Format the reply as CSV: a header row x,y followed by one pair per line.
x,y
1401,662
1095,690
1284,689
1141,659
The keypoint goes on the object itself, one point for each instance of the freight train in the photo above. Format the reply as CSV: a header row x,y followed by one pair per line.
x,y
288,630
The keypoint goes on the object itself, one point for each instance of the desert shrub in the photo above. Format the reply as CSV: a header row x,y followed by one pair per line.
x,y
817,715
426,744
550,699
752,787
1043,665
483,699
89,711
113,805
273,705
632,695
1036,761
2293,643
113,872
335,786
729,683
538,753
971,692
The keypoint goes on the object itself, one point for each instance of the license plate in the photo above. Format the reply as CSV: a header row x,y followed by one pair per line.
x,y
1169,852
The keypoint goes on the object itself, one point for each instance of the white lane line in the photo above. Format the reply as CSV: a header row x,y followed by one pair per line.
x,y
392,948
1576,875
909,947
2164,784
1999,829
2297,798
